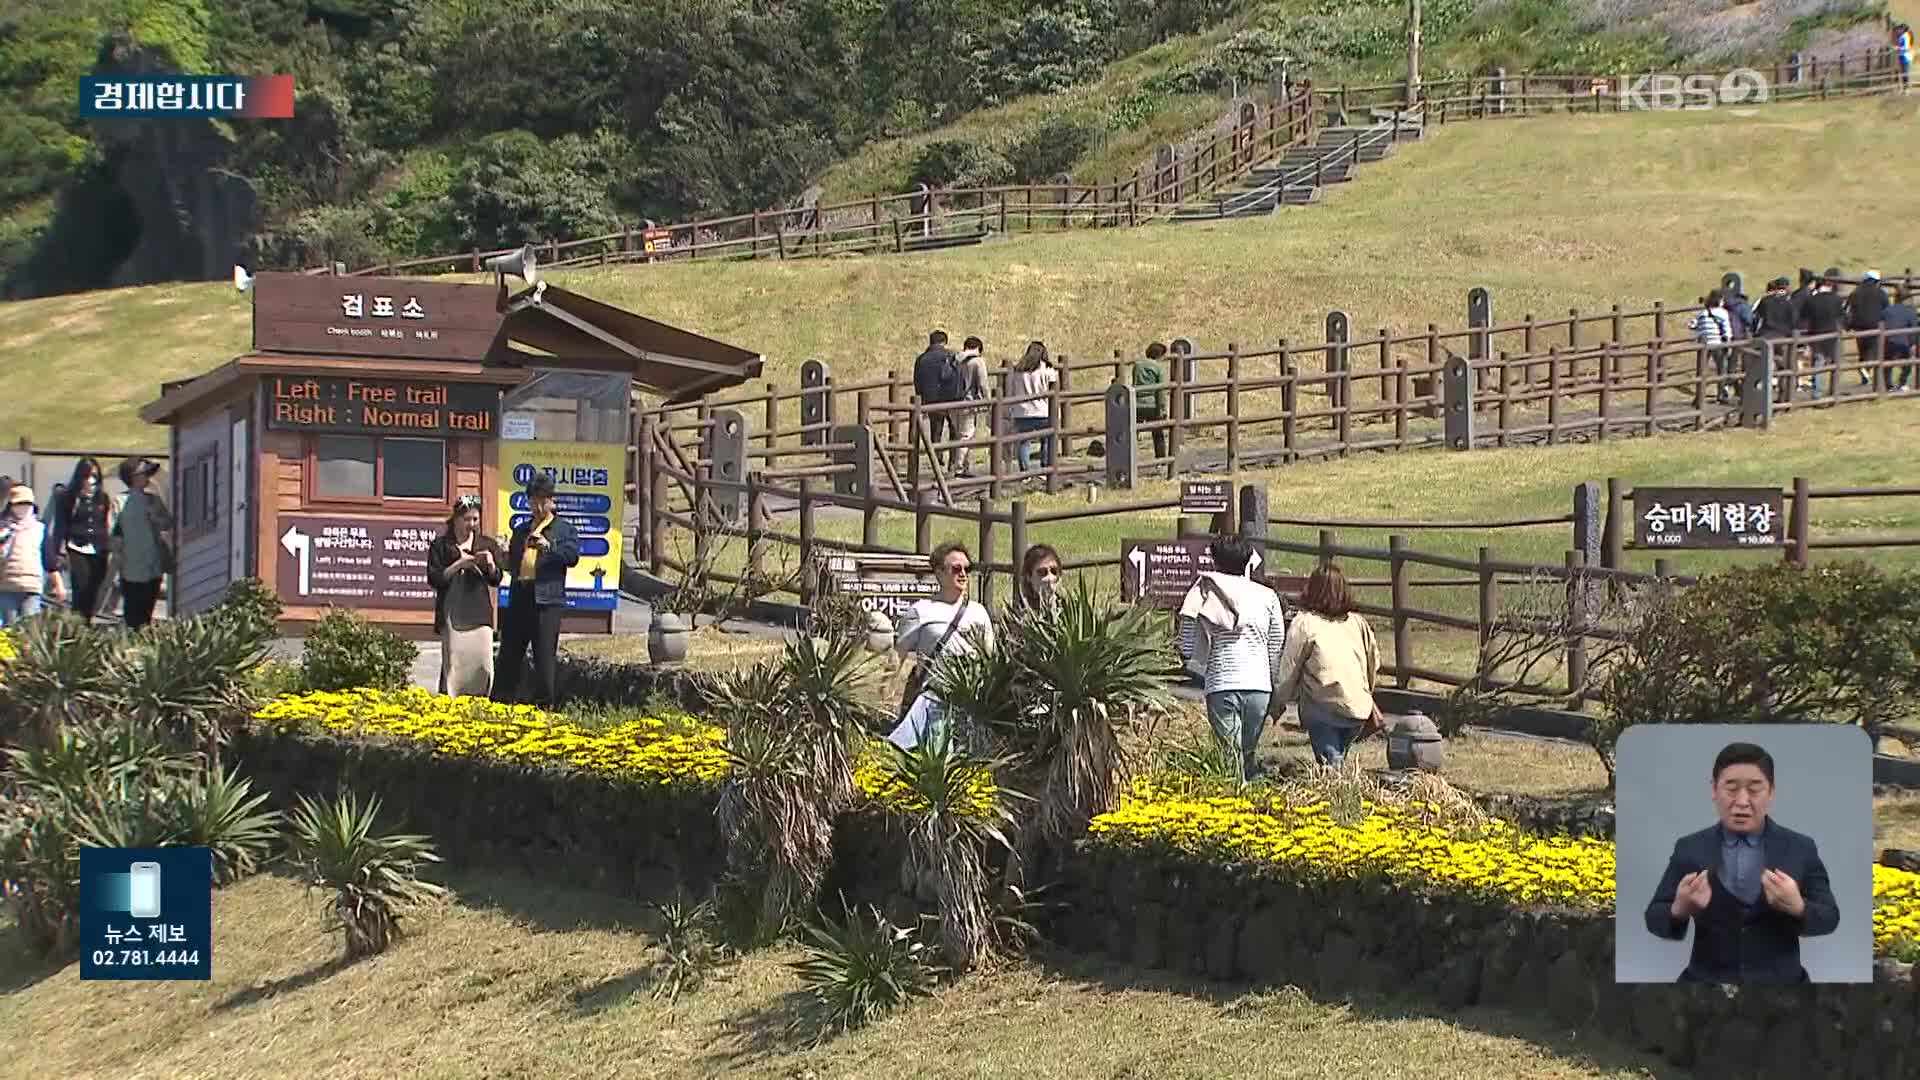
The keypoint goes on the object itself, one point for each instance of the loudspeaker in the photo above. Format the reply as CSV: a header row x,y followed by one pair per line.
x,y
520,264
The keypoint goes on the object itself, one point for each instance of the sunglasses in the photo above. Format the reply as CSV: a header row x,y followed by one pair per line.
x,y
957,571
1048,571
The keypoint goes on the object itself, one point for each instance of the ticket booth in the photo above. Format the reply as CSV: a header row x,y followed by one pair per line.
x,y
326,460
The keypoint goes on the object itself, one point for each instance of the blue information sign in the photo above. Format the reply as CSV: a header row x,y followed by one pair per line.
x,y
146,913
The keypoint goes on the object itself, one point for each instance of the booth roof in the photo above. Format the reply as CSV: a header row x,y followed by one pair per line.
x,y
580,332
182,395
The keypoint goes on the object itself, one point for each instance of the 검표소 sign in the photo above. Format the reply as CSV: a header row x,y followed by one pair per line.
x,y
588,482
423,407
354,562
368,316
1708,517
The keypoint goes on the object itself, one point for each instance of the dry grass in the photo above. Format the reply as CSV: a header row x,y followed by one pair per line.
x,y
1548,213
708,648
521,981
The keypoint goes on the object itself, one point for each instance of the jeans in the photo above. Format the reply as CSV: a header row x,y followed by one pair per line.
x,y
1869,355
1901,375
1237,717
15,606
1327,732
1034,423
1723,366
527,625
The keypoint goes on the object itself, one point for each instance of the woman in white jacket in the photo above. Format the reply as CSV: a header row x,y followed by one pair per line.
x,y
1234,629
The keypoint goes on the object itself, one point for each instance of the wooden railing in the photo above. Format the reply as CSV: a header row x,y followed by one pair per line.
x,y
892,222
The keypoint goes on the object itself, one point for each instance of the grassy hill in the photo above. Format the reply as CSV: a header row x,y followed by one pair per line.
x,y
1549,213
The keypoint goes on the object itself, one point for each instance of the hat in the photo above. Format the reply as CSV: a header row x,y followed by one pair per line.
x,y
1779,283
21,493
1871,275
1832,273
541,484
140,465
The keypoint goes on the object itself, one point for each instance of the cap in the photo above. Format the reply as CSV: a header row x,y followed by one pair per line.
x,y
142,466
1779,283
1871,275
20,493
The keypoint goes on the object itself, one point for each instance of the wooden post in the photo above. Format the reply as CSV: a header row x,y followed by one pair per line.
x,y
1233,409
1063,413
913,445
773,422
657,544
644,476
806,541
1401,602
1799,523
1487,613
983,556
923,521
1611,543
1577,595
756,509
893,398
1017,535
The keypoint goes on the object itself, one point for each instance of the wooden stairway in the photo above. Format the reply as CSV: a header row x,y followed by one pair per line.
x,y
1296,177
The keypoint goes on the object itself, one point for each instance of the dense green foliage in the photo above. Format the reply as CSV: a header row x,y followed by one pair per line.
x,y
434,125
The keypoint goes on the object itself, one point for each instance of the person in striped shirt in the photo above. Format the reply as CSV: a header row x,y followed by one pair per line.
x,y
1713,328
1234,630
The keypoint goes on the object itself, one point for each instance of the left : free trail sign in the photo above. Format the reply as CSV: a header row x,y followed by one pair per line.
x,y
424,407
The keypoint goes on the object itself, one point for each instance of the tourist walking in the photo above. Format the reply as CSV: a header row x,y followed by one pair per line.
x,y
28,566
1821,316
82,522
973,387
1903,54
1712,328
142,542
1900,317
943,625
465,567
1030,411
1773,325
1149,401
543,548
1865,305
1040,578
1329,667
937,380
1234,629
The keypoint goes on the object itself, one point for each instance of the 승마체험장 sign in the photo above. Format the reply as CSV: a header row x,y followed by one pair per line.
x,y
1708,517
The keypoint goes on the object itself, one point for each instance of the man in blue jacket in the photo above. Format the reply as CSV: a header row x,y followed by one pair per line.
x,y
544,547
1751,887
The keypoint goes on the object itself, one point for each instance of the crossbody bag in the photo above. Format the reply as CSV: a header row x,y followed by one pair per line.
x,y
917,678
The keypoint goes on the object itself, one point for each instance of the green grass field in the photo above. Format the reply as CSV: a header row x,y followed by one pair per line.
x,y
1549,213
518,979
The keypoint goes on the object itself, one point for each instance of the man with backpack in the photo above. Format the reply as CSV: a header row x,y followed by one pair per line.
x,y
1149,400
973,387
938,379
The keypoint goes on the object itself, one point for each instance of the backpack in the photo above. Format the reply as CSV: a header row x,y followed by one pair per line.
x,y
950,379
1147,373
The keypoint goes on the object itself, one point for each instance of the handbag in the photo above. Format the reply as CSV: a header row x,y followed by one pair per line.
x,y
917,678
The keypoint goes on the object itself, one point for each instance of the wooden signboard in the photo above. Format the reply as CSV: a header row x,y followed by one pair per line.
x,y
343,406
879,581
1206,496
354,562
1708,518
369,316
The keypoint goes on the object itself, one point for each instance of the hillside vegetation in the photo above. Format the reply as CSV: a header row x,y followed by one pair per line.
x,y
434,125
1549,213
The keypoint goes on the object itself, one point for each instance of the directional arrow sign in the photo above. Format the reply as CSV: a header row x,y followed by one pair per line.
x,y
1139,560
1253,562
300,546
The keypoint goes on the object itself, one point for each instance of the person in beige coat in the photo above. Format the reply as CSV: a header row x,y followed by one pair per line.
x,y
1330,665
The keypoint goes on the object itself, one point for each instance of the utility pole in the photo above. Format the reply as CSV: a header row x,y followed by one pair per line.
x,y
1413,50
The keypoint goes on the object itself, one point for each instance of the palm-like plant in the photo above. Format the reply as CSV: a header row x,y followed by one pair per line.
x,y
62,672
988,694
827,684
953,811
863,970
193,676
217,810
772,811
373,878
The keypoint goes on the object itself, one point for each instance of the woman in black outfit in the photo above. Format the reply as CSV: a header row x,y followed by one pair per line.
x,y
464,566
82,527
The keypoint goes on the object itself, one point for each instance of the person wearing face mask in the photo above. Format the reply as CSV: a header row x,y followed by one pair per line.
x,y
28,567
1040,577
82,522
465,567
1750,887
142,542
932,629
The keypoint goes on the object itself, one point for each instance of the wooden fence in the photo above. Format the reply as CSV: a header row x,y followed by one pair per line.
x,y
1584,377
926,220
793,524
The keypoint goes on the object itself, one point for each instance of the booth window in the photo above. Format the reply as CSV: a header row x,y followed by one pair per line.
x,y
200,493
365,468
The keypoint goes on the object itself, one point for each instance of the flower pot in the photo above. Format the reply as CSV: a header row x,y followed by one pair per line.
x,y
667,637
1414,742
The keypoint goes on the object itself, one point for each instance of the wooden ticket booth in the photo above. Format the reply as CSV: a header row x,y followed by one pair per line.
x,y
326,460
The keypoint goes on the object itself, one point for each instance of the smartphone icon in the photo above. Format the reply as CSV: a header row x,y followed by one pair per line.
x,y
145,893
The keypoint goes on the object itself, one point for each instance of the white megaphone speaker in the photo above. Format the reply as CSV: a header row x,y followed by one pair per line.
x,y
241,279
520,264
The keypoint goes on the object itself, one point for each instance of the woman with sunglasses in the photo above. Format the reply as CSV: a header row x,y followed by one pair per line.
x,y
942,625
464,567
1040,577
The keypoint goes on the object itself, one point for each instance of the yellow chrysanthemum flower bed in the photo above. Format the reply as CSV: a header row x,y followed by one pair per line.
x,y
977,799
7,651
1497,860
647,750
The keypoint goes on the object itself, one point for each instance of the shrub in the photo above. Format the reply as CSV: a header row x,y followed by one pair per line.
x,y
948,163
61,672
373,878
345,651
252,607
1049,149
687,945
218,810
862,970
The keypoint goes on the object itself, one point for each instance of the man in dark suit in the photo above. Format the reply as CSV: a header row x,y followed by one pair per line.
x,y
1751,887
544,547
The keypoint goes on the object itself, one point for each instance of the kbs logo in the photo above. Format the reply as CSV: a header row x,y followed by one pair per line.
x,y
1741,86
